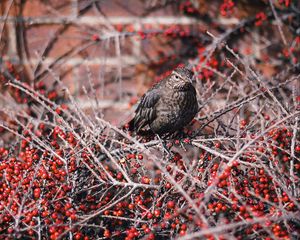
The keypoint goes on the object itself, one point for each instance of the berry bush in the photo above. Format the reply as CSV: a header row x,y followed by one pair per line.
x,y
67,172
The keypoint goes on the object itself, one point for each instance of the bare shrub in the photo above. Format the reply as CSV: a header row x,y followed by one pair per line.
x,y
67,171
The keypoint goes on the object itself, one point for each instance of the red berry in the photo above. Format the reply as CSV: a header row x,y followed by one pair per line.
x,y
170,204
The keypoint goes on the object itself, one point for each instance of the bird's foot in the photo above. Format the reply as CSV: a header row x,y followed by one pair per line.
x,y
166,148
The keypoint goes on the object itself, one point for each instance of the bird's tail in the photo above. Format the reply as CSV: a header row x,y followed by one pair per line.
x,y
130,125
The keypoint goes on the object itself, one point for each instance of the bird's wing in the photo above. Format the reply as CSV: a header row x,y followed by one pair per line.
x,y
146,111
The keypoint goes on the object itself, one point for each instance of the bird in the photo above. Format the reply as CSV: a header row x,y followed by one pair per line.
x,y
168,106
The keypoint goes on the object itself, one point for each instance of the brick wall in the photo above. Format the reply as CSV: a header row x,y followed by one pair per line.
x,y
81,40
61,35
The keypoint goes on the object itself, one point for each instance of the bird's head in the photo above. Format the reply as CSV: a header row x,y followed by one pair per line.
x,y
181,78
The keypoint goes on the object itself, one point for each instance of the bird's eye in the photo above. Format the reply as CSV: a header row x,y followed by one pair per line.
x,y
176,77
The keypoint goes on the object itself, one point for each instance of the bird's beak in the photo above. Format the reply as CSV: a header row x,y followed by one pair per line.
x,y
193,79
189,66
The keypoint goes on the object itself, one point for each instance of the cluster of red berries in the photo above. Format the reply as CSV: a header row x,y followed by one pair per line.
x,y
227,8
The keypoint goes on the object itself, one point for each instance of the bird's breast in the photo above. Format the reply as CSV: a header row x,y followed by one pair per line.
x,y
175,109
178,103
